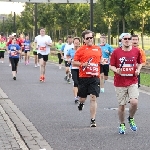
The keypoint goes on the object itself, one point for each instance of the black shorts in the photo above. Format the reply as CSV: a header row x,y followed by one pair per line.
x,y
45,57
87,86
26,51
34,53
66,64
2,54
104,69
75,76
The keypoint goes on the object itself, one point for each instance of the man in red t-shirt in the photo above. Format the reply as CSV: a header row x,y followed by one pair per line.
x,y
126,63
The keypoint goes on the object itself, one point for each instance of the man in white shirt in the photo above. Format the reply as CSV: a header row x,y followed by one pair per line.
x,y
43,49
65,49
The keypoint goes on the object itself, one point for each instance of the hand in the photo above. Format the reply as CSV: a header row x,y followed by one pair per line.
x,y
62,57
107,51
118,71
85,64
137,72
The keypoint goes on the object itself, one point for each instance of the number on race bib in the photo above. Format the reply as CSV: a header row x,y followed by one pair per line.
x,y
43,48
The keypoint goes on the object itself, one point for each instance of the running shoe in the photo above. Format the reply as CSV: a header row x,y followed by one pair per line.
x,y
122,128
80,106
14,78
76,100
35,66
41,79
65,78
93,123
68,80
133,126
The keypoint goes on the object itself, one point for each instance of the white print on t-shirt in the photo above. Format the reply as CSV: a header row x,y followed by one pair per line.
x,y
128,68
92,69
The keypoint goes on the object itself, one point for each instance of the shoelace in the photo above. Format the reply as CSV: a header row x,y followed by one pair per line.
x,y
123,127
132,122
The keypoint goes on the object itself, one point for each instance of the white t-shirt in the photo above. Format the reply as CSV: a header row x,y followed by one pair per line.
x,y
42,47
66,48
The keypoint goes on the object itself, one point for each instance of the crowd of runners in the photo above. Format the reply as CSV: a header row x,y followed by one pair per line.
x,y
87,65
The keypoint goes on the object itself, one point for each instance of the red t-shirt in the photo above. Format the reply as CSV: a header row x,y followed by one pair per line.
x,y
9,42
132,58
92,54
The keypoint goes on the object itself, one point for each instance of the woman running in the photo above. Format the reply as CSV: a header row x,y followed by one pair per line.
x,y
74,70
14,51
2,49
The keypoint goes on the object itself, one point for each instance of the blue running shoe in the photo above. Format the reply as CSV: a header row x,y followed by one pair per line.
x,y
133,126
122,128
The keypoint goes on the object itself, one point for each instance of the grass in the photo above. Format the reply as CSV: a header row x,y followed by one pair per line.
x,y
145,78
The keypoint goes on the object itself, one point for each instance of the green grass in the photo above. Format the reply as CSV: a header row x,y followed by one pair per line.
x,y
145,78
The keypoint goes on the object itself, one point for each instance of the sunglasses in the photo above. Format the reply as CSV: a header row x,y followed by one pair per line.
x,y
127,38
89,38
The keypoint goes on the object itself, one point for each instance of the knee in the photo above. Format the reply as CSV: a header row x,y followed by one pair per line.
x,y
92,98
134,102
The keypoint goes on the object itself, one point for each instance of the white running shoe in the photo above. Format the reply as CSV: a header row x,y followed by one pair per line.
x,y
10,65
35,66
59,67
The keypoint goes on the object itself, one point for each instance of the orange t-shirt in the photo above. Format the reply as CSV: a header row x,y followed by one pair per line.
x,y
92,55
143,56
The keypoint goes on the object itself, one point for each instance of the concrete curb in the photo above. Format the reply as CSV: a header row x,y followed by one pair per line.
x,y
32,139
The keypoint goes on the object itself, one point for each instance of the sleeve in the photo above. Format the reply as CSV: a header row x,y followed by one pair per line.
x,y
18,47
110,49
77,55
50,40
113,59
139,58
9,47
62,48
35,40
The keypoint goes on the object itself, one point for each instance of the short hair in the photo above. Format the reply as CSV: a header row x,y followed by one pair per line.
x,y
87,32
103,34
135,35
76,38
59,39
42,28
69,36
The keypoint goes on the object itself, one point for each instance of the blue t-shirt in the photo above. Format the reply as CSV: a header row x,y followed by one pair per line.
x,y
71,53
13,48
27,45
106,51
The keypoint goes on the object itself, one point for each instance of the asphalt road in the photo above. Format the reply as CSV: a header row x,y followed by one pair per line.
x,y
50,107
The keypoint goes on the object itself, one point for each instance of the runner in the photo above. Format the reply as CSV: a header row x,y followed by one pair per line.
x,y
2,49
43,43
36,60
123,63
106,52
74,70
88,58
59,46
8,43
14,51
27,49
135,43
65,49
20,42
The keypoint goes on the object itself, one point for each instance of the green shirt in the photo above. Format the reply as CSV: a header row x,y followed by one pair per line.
x,y
58,46
2,45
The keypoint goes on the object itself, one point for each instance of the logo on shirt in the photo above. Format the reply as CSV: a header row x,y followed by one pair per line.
x,y
95,49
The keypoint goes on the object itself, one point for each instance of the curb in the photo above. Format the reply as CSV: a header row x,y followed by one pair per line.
x,y
26,131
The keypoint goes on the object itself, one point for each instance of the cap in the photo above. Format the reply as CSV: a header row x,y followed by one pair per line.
x,y
123,34
13,34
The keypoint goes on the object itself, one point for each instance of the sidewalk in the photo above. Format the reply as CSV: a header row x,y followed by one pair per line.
x,y
17,132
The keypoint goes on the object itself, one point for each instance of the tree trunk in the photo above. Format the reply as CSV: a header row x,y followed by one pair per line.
x,y
142,40
118,34
109,34
123,25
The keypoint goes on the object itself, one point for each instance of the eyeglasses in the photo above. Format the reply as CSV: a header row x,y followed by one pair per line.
x,y
127,38
89,38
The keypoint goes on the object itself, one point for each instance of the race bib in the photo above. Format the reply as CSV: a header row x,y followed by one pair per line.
x,y
27,47
92,69
127,71
43,48
106,61
13,53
